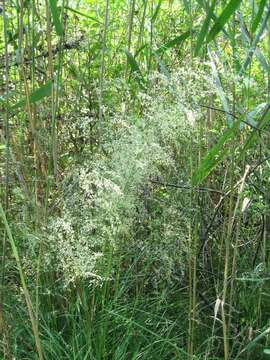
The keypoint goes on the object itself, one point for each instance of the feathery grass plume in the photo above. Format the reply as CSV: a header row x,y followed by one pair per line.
x,y
120,201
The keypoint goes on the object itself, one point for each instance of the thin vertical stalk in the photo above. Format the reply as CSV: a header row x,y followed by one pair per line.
x,y
141,32
3,328
192,264
236,244
51,76
29,304
231,215
130,27
151,39
102,66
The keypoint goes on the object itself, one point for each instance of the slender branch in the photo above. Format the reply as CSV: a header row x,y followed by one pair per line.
x,y
231,114
187,187
44,54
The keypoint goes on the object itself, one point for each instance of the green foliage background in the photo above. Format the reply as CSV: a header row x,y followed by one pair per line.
x,y
134,179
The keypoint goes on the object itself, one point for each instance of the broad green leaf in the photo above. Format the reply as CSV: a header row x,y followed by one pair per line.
x,y
254,341
223,19
82,14
134,67
204,29
266,351
40,93
258,16
176,41
215,155
56,18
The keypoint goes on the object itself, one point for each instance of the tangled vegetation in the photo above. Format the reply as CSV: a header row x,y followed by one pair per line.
x,y
135,179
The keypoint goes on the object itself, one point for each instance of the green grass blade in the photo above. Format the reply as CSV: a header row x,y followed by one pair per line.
x,y
247,41
204,29
253,342
155,15
264,120
258,16
176,41
219,88
82,14
134,66
37,95
29,303
223,19
254,44
56,18
215,155
213,16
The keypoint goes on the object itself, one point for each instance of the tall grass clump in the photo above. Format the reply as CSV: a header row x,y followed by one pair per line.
x,y
110,203
134,179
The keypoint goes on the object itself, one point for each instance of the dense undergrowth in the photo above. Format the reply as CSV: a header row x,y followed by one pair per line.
x,y
135,180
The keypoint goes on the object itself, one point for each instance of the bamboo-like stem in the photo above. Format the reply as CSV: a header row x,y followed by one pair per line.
x,y
130,28
239,202
3,327
141,32
51,76
130,22
29,304
102,65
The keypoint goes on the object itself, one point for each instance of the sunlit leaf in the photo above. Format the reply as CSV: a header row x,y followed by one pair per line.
x,y
219,88
254,341
170,44
204,29
260,124
223,19
254,44
36,95
247,41
134,66
56,18
155,15
82,14
215,155
258,16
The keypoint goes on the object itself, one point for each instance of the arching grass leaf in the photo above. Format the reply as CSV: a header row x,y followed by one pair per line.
x,y
215,155
204,29
176,41
82,14
254,44
56,18
223,19
258,16
247,41
134,67
40,93
263,121
155,15
219,88
254,341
